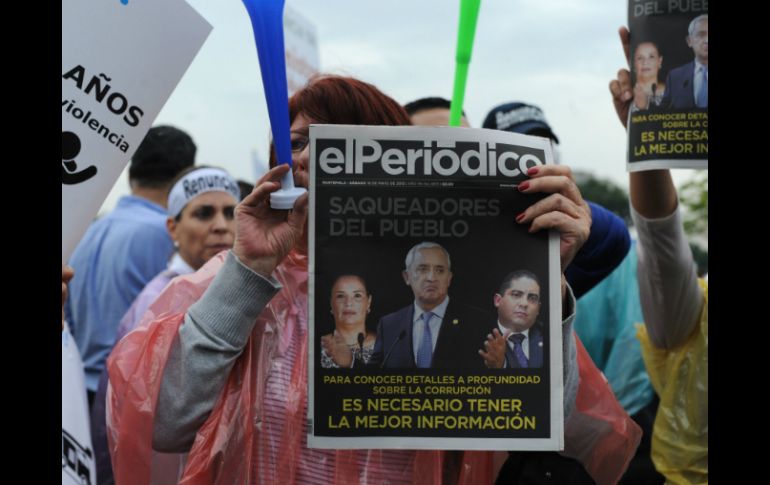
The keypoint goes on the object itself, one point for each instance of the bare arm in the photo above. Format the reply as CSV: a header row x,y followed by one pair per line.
x,y
66,275
653,195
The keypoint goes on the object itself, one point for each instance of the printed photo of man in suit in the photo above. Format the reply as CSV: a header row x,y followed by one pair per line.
x,y
434,331
517,342
687,86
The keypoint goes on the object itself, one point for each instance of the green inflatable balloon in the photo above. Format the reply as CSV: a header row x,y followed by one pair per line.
x,y
469,14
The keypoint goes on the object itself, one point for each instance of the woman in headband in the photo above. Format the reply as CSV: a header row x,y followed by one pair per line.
x,y
200,209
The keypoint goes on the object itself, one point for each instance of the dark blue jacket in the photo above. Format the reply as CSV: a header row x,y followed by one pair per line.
x,y
680,92
604,250
460,337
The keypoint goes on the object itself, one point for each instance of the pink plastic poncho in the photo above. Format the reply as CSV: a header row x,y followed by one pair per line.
x,y
599,433
235,445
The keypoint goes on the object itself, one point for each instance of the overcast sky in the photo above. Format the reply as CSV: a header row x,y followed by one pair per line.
x,y
557,54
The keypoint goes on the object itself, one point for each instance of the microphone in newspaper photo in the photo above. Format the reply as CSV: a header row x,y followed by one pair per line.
x,y
360,347
392,346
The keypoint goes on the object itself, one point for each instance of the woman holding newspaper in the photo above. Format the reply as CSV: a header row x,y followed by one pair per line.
x,y
232,345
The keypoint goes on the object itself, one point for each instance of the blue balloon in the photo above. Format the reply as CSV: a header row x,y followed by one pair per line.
x,y
267,22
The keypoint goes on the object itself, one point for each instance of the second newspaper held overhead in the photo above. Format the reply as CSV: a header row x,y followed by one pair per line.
x,y
669,117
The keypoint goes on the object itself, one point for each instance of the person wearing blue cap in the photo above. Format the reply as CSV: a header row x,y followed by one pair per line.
x,y
520,118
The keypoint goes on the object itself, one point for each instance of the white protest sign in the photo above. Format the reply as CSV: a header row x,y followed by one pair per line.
x,y
77,455
120,63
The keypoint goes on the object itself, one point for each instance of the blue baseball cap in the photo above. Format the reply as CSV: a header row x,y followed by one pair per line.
x,y
519,118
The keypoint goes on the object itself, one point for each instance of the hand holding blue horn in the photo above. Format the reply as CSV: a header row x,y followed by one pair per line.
x,y
267,23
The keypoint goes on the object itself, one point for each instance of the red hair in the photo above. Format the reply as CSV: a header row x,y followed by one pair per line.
x,y
340,100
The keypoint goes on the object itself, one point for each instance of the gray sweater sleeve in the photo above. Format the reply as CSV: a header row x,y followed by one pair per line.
x,y
215,331
569,356
669,293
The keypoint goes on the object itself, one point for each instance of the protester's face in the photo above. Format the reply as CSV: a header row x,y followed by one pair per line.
x,y
350,302
429,276
647,61
300,149
205,228
435,117
699,40
519,306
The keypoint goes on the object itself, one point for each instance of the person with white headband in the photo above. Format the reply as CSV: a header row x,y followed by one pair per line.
x,y
200,208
